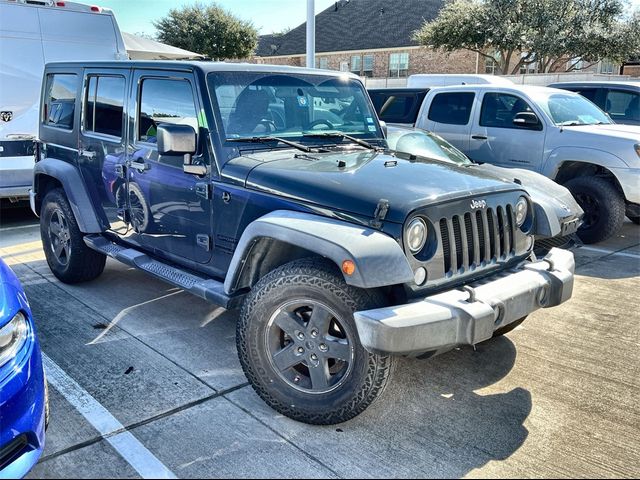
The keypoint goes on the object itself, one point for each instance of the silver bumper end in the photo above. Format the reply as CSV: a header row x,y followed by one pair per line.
x,y
468,316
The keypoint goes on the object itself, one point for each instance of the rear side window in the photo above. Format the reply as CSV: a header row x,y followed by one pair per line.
x,y
588,93
104,105
451,108
499,110
623,106
60,100
165,101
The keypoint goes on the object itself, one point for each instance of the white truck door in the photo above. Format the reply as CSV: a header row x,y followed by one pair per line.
x,y
21,67
449,115
496,139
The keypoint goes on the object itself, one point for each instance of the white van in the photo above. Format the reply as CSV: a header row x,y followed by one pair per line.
x,y
431,80
33,33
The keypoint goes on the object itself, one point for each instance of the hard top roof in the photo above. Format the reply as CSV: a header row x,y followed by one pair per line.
x,y
203,66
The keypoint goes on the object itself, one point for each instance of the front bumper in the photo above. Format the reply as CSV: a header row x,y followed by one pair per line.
x,y
470,315
629,180
22,413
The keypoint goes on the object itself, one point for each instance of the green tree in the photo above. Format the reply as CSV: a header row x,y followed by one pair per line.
x,y
209,30
547,33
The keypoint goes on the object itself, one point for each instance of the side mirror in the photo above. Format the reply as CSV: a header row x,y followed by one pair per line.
x,y
383,127
176,139
527,120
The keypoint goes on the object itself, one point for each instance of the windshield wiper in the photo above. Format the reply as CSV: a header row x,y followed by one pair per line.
x,y
343,136
299,146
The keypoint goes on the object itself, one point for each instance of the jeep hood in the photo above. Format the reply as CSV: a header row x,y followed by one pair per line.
x,y
355,181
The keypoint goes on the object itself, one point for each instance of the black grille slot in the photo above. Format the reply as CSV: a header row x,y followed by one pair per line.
x,y
446,246
458,239
471,245
512,229
492,236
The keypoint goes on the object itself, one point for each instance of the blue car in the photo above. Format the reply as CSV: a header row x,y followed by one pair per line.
x,y
23,396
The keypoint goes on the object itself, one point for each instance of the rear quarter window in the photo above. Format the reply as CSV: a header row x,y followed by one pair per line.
x,y
451,108
60,100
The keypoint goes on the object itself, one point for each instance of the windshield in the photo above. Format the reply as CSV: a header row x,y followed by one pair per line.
x,y
289,106
424,144
566,110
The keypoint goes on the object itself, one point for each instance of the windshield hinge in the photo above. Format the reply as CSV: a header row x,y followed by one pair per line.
x,y
380,213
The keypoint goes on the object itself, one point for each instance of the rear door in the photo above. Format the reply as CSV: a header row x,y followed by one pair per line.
x,y
102,152
449,115
169,208
496,140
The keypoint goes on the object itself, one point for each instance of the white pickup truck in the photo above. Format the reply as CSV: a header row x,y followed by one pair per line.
x,y
554,132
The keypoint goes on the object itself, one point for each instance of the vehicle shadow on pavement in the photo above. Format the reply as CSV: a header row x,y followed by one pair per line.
x,y
443,398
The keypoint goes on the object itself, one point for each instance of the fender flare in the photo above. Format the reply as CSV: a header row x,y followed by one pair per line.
x,y
379,259
594,156
75,190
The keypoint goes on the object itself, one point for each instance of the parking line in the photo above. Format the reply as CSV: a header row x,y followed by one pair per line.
x,y
610,252
127,446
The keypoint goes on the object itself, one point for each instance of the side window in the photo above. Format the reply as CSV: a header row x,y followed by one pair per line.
x,y
451,108
60,99
104,105
499,110
588,93
394,108
164,101
623,106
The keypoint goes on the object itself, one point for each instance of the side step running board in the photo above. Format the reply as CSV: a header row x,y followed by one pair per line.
x,y
207,288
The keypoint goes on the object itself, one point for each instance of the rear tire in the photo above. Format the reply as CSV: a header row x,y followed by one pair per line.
x,y
299,347
603,206
69,258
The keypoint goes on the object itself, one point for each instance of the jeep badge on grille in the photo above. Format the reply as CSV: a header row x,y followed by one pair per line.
x,y
478,204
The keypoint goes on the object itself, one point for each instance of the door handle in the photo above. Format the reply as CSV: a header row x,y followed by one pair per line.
x,y
479,137
87,153
138,165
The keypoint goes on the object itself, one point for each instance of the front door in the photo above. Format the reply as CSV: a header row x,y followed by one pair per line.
x,y
168,208
496,139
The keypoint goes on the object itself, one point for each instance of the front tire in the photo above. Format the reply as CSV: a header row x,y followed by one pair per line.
x,y
299,347
69,258
603,206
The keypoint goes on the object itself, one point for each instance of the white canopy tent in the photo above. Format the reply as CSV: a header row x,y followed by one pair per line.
x,y
140,48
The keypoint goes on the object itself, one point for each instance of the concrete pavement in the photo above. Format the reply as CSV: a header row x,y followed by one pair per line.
x,y
557,397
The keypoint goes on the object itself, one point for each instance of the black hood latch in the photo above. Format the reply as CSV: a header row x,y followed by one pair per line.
x,y
380,213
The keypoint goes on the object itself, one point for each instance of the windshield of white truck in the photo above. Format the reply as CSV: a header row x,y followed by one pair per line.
x,y
571,110
252,105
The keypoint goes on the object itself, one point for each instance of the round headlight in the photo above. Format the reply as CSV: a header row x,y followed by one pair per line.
x,y
522,208
12,337
416,235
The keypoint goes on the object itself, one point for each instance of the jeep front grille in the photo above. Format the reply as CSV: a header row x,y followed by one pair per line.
x,y
477,238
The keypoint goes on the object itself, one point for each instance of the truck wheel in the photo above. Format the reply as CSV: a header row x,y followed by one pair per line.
x,y
69,258
299,347
603,207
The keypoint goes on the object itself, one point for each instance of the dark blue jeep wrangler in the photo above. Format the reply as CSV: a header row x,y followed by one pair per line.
x,y
271,189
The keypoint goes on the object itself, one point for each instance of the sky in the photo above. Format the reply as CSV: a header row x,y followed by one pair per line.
x,y
268,16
